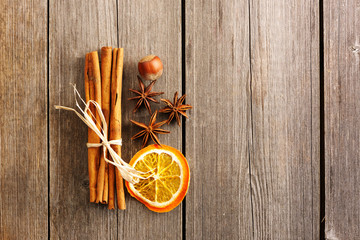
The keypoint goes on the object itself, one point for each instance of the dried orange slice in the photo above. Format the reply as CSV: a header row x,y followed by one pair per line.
x,y
169,177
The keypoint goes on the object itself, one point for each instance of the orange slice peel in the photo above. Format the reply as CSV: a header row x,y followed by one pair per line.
x,y
167,177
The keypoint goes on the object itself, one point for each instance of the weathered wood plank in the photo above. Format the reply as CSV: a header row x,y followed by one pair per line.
x,y
76,27
149,27
342,111
23,117
218,204
285,119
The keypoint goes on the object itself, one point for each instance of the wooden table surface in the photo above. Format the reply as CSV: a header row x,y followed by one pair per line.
x,y
272,142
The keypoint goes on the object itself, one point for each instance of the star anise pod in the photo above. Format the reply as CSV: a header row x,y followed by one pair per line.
x,y
144,95
175,108
151,130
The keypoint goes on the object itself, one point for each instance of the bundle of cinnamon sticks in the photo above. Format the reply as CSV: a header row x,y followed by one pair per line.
x,y
104,85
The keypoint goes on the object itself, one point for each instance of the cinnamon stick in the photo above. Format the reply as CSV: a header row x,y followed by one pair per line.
x,y
105,107
111,167
106,185
111,187
93,92
115,118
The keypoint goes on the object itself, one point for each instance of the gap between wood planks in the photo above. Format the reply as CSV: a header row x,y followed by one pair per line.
x,y
322,122
48,112
183,91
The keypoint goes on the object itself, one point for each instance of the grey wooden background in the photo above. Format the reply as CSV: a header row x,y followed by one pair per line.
x,y
272,142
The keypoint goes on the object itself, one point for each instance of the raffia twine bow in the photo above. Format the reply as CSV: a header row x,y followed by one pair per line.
x,y
127,172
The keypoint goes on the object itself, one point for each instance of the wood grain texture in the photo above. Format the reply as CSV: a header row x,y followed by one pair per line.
x,y
149,27
285,119
23,118
342,110
218,204
76,27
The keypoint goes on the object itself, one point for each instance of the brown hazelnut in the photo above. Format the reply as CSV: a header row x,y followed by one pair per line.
x,y
150,67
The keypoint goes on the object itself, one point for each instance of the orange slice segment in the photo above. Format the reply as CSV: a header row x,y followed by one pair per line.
x,y
167,181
